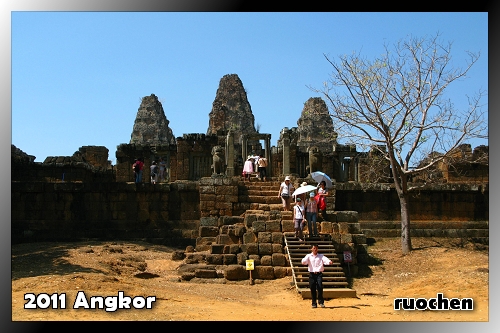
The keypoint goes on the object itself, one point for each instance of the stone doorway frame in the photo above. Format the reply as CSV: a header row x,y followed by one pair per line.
x,y
244,138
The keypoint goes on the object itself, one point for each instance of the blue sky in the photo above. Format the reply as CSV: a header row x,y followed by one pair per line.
x,y
78,77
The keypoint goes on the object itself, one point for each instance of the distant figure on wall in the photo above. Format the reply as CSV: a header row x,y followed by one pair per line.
x,y
163,167
154,172
138,166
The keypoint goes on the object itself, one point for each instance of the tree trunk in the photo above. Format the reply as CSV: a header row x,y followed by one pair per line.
x,y
405,223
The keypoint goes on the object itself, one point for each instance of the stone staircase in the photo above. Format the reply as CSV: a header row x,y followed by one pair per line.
x,y
259,195
335,284
263,196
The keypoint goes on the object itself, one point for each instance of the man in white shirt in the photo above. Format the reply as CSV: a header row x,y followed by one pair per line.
x,y
315,265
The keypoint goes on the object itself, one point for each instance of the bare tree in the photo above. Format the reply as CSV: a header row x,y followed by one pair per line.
x,y
395,104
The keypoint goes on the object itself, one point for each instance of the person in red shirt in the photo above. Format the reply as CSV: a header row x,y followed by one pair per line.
x,y
137,167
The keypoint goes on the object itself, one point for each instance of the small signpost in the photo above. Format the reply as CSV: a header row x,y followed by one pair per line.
x,y
348,260
250,267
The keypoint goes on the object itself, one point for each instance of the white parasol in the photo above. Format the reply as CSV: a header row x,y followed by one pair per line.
x,y
304,189
320,176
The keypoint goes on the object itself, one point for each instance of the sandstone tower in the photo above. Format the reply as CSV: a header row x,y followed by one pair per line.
x,y
151,124
230,109
315,126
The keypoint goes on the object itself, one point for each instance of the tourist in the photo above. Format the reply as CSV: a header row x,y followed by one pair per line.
x,y
248,168
255,159
299,219
138,166
163,167
302,196
315,266
154,173
311,215
285,193
322,194
262,164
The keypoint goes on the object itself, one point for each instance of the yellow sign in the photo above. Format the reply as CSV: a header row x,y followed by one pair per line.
x,y
250,265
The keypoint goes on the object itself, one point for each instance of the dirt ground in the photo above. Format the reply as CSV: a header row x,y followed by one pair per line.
x,y
452,267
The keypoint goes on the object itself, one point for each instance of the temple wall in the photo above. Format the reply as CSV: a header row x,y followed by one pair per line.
x,y
170,213
446,202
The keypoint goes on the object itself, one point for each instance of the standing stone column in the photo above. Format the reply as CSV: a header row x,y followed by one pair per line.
x,y
269,170
286,150
230,154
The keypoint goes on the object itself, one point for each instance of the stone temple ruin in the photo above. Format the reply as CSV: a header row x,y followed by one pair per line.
x,y
204,205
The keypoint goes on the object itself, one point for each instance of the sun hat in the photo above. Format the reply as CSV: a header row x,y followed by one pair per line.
x,y
299,200
303,184
311,194
287,178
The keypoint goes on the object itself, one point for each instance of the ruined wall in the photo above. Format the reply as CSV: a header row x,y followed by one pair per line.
x,y
445,202
44,211
88,164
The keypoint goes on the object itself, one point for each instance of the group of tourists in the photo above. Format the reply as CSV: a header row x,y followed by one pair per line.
x,y
255,164
157,170
306,207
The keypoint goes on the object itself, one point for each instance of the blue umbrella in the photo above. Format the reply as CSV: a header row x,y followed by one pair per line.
x,y
320,176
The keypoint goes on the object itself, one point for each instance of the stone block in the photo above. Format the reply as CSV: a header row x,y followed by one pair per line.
x,y
280,272
226,239
343,228
287,226
263,272
346,238
229,259
206,240
255,258
359,238
236,272
237,230
208,231
326,227
249,220
264,237
259,226
178,255
241,258
233,248
215,259
347,216
217,248
209,221
250,248
265,248
273,226
277,248
277,238
205,273
230,220
346,247
355,228
278,259
249,237
201,248
266,260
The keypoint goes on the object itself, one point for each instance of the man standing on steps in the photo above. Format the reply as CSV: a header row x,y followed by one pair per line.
x,y
315,265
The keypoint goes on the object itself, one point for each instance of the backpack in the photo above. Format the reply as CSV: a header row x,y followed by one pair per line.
x,y
137,166
155,170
